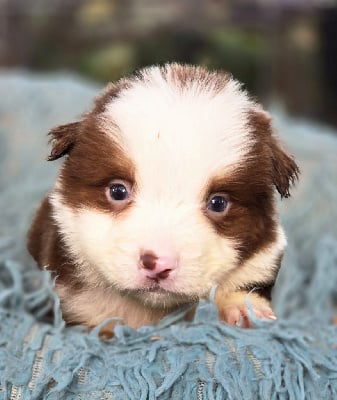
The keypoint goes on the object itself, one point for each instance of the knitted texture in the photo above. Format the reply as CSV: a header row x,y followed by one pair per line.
x,y
294,357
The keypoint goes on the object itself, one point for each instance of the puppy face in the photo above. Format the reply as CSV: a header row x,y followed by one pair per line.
x,y
168,187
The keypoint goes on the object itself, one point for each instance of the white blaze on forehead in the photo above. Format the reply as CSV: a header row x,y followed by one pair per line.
x,y
181,134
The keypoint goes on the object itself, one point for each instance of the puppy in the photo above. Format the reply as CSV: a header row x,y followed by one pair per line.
x,y
166,190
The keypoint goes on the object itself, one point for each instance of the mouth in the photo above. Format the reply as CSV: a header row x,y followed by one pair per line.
x,y
154,289
155,295
144,290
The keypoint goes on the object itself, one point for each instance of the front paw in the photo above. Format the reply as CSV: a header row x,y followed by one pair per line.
x,y
238,315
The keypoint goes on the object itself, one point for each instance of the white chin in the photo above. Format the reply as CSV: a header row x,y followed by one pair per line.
x,y
160,298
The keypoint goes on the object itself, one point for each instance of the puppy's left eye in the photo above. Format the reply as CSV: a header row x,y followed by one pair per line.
x,y
217,203
119,192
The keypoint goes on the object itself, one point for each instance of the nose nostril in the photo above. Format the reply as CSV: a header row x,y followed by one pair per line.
x,y
149,260
160,275
164,274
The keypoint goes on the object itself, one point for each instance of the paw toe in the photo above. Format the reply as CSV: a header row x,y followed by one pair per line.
x,y
238,315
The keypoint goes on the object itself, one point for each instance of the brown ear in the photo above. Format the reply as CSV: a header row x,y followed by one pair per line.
x,y
62,140
285,169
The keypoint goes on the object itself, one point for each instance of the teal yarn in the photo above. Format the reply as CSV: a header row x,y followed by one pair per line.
x,y
204,359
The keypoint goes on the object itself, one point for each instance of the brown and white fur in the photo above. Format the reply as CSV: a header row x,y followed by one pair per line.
x,y
177,138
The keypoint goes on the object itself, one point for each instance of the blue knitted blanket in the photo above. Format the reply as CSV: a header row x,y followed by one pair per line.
x,y
294,357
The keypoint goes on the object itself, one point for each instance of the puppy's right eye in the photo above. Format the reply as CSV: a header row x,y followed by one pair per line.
x,y
119,193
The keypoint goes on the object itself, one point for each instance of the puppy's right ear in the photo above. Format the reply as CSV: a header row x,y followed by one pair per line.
x,y
62,140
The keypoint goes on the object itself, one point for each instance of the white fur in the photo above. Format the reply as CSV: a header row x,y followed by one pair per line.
x,y
178,139
95,305
111,247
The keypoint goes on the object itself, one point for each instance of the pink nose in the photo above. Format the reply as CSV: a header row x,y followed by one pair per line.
x,y
155,267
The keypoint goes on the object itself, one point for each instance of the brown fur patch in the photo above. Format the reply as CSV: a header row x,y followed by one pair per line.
x,y
95,161
185,76
46,246
111,92
284,170
39,234
63,139
251,217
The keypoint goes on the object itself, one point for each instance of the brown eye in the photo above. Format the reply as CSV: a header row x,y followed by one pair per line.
x,y
218,204
119,193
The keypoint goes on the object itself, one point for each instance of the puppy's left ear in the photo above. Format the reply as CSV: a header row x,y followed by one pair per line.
x,y
62,140
285,169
